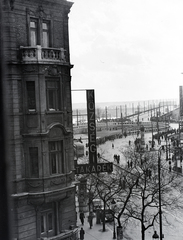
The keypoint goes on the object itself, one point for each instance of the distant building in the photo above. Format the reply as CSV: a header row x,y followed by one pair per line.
x,y
40,118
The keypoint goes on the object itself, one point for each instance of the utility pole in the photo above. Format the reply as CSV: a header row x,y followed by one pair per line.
x,y
106,118
159,182
132,108
121,120
152,145
122,123
77,118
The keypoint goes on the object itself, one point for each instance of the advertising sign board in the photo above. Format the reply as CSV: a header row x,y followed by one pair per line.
x,y
93,166
91,127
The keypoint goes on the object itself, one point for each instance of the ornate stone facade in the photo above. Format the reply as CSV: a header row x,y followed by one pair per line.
x,y
40,113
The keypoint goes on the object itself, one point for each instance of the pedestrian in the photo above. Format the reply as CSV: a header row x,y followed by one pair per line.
x,y
128,164
82,233
82,216
131,164
98,213
90,219
118,159
112,145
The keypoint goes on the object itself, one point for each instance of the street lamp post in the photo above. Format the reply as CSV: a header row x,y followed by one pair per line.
x,y
159,186
159,182
114,230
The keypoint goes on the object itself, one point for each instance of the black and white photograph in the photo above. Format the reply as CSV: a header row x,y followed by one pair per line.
x,y
91,120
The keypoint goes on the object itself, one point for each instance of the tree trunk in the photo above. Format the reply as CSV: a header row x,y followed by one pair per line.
x,y
142,231
119,222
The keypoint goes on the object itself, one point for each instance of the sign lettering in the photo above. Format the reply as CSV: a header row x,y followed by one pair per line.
x,y
93,166
98,168
91,127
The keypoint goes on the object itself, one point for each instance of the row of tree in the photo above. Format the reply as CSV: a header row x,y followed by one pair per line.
x,y
136,189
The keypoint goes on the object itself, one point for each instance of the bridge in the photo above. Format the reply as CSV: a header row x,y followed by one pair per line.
x,y
131,110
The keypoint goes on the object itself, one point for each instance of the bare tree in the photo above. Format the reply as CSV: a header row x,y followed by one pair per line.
x,y
143,203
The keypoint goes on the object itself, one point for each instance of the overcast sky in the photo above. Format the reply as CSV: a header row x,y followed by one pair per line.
x,y
127,50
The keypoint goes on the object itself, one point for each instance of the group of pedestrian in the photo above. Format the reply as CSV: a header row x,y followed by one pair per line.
x,y
90,221
117,158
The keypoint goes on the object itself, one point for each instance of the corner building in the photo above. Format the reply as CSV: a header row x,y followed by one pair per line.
x,y
40,118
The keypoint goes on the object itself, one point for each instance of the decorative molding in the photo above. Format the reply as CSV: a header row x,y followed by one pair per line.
x,y
29,68
40,12
53,71
30,12
35,185
58,181
66,11
36,202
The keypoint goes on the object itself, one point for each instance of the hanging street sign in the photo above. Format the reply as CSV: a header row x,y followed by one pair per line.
x,y
89,168
93,166
91,127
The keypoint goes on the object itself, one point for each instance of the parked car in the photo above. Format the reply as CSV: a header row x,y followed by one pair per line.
x,y
108,215
97,203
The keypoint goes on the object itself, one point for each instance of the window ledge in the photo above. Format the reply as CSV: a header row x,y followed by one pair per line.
x,y
54,112
31,112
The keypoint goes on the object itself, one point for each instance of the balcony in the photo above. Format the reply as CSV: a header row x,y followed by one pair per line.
x,y
42,55
54,182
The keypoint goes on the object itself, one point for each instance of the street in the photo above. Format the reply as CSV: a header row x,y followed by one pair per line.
x,y
132,232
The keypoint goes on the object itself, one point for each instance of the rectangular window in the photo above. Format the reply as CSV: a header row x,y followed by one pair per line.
x,y
43,223
46,222
45,34
50,221
53,95
31,100
34,32
56,157
34,168
39,31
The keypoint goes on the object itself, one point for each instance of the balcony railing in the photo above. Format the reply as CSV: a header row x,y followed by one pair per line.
x,y
39,54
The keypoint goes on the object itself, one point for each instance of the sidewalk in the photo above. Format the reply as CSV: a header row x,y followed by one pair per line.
x,y
96,233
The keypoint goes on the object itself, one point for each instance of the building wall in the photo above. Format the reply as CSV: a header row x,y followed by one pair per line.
x,y
40,118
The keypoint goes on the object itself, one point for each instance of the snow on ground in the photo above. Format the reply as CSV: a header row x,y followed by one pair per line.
x,y
174,231
171,232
